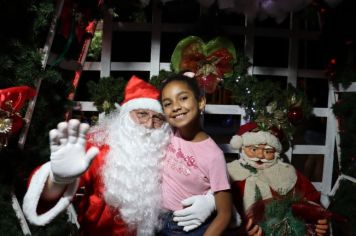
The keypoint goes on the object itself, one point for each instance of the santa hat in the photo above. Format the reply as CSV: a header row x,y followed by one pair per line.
x,y
140,95
249,134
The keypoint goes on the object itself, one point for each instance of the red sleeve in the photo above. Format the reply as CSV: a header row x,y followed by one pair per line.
x,y
306,188
31,175
90,180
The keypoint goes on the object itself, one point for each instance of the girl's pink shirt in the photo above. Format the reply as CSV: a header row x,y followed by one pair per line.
x,y
192,168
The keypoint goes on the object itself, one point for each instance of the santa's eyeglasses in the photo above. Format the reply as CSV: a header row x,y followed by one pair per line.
x,y
264,149
144,116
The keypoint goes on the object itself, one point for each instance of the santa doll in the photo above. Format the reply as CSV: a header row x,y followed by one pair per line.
x,y
259,174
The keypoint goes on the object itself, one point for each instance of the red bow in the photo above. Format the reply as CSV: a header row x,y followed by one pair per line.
x,y
210,62
12,100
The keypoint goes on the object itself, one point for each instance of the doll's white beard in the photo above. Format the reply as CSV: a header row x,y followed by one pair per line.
x,y
131,173
253,161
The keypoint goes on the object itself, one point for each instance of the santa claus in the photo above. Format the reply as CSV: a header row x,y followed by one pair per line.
x,y
259,174
117,170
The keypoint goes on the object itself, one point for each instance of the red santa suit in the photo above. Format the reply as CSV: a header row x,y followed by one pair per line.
x,y
279,179
96,216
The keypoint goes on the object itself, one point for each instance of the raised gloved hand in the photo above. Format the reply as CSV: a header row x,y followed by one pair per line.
x,y
69,159
197,209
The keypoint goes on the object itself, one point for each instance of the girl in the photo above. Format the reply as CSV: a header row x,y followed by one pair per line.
x,y
193,163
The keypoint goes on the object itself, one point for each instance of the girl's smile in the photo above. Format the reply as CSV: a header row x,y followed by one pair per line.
x,y
179,116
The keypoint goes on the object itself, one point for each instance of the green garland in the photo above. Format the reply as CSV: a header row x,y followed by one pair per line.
x,y
106,93
123,10
7,214
343,74
344,200
280,221
94,51
344,203
345,111
265,102
157,80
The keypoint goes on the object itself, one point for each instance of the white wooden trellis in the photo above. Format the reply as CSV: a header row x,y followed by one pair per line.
x,y
293,34
250,31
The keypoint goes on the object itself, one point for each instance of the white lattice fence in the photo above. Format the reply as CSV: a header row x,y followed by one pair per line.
x,y
293,34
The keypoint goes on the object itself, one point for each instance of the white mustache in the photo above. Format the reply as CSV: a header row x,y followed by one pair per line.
x,y
261,160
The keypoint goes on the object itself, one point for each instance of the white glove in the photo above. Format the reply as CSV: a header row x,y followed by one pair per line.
x,y
198,209
235,219
69,158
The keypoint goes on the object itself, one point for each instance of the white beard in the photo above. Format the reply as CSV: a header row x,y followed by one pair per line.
x,y
132,171
253,161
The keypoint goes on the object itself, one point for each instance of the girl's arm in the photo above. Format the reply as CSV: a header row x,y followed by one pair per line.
x,y
223,203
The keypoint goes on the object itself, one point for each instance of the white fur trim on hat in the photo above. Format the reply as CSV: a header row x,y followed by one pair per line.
x,y
261,137
33,194
236,142
142,103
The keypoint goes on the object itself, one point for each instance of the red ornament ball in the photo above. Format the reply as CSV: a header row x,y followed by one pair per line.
x,y
17,124
278,133
295,115
208,83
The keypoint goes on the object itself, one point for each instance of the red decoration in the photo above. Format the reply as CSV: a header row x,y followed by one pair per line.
x,y
331,68
65,19
18,96
311,212
295,115
83,19
248,127
277,132
307,212
208,70
11,101
17,123
208,82
210,62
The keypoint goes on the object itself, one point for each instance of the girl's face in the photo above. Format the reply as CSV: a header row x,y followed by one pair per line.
x,y
180,105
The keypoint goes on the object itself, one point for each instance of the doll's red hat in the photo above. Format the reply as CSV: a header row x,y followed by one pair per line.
x,y
248,127
250,134
139,94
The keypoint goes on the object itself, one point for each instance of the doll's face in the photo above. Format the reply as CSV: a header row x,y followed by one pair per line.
x,y
259,156
261,151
